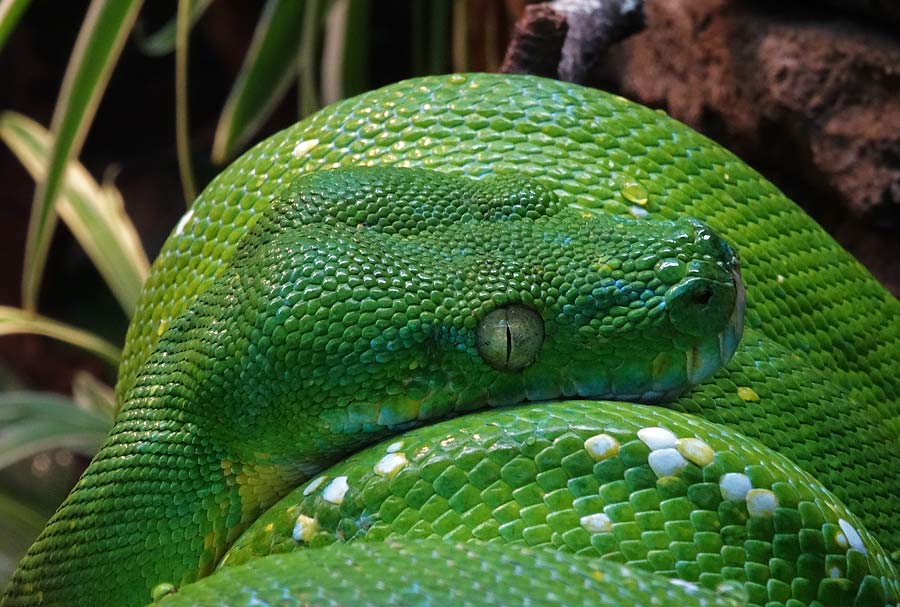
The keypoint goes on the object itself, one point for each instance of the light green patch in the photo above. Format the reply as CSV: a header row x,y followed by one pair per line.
x,y
635,192
695,450
747,394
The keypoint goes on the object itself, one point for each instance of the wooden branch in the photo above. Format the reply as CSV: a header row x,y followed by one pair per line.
x,y
566,38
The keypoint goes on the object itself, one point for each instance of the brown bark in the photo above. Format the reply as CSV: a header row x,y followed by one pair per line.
x,y
565,39
536,45
812,102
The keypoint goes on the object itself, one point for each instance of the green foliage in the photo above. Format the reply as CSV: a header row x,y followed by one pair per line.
x,y
162,42
10,12
95,213
97,48
34,422
14,320
269,68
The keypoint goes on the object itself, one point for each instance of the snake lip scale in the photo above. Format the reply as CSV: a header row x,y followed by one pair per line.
x,y
692,366
701,360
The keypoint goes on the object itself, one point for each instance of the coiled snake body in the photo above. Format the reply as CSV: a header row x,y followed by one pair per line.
x,y
464,242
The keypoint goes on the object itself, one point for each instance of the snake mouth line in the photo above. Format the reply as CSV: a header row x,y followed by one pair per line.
x,y
655,380
669,374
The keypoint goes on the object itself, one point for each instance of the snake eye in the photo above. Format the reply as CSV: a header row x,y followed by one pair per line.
x,y
509,338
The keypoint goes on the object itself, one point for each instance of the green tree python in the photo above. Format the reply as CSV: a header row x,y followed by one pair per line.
x,y
530,293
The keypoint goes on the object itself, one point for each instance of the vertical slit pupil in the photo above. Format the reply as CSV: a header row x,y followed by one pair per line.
x,y
508,343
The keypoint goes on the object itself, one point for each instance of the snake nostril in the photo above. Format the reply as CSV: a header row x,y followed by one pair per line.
x,y
702,296
701,306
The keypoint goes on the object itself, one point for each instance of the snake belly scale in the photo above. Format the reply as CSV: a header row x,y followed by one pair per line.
x,y
462,242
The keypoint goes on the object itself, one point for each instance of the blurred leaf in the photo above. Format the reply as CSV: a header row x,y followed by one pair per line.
x,y
308,95
14,320
438,62
32,422
23,515
10,13
265,76
93,395
95,214
96,51
182,136
430,37
418,44
460,36
162,42
20,523
345,57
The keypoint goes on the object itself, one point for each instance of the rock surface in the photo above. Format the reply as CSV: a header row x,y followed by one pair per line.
x,y
811,102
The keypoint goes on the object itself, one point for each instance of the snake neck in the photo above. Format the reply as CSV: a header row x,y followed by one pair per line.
x,y
170,519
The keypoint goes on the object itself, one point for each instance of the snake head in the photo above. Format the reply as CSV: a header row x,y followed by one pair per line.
x,y
372,299
633,310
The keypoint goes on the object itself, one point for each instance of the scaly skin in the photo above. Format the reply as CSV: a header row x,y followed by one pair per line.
x,y
230,384
598,481
418,575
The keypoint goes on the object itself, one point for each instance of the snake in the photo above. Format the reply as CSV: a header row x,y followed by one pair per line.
x,y
482,339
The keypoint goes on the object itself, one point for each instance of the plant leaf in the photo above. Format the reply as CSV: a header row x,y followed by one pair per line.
x,y
29,520
182,136
96,51
93,395
33,422
440,26
10,13
418,45
20,524
162,41
265,76
460,36
94,213
345,57
14,320
308,95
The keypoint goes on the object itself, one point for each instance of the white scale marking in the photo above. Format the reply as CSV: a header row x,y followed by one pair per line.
x,y
314,485
657,438
304,528
335,491
596,523
852,536
761,503
304,147
666,462
389,465
601,446
734,485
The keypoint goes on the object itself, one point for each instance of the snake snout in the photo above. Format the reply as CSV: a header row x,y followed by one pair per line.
x,y
701,306
704,299
706,305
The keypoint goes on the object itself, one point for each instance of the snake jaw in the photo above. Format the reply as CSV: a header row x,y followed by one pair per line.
x,y
730,337
711,354
671,373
